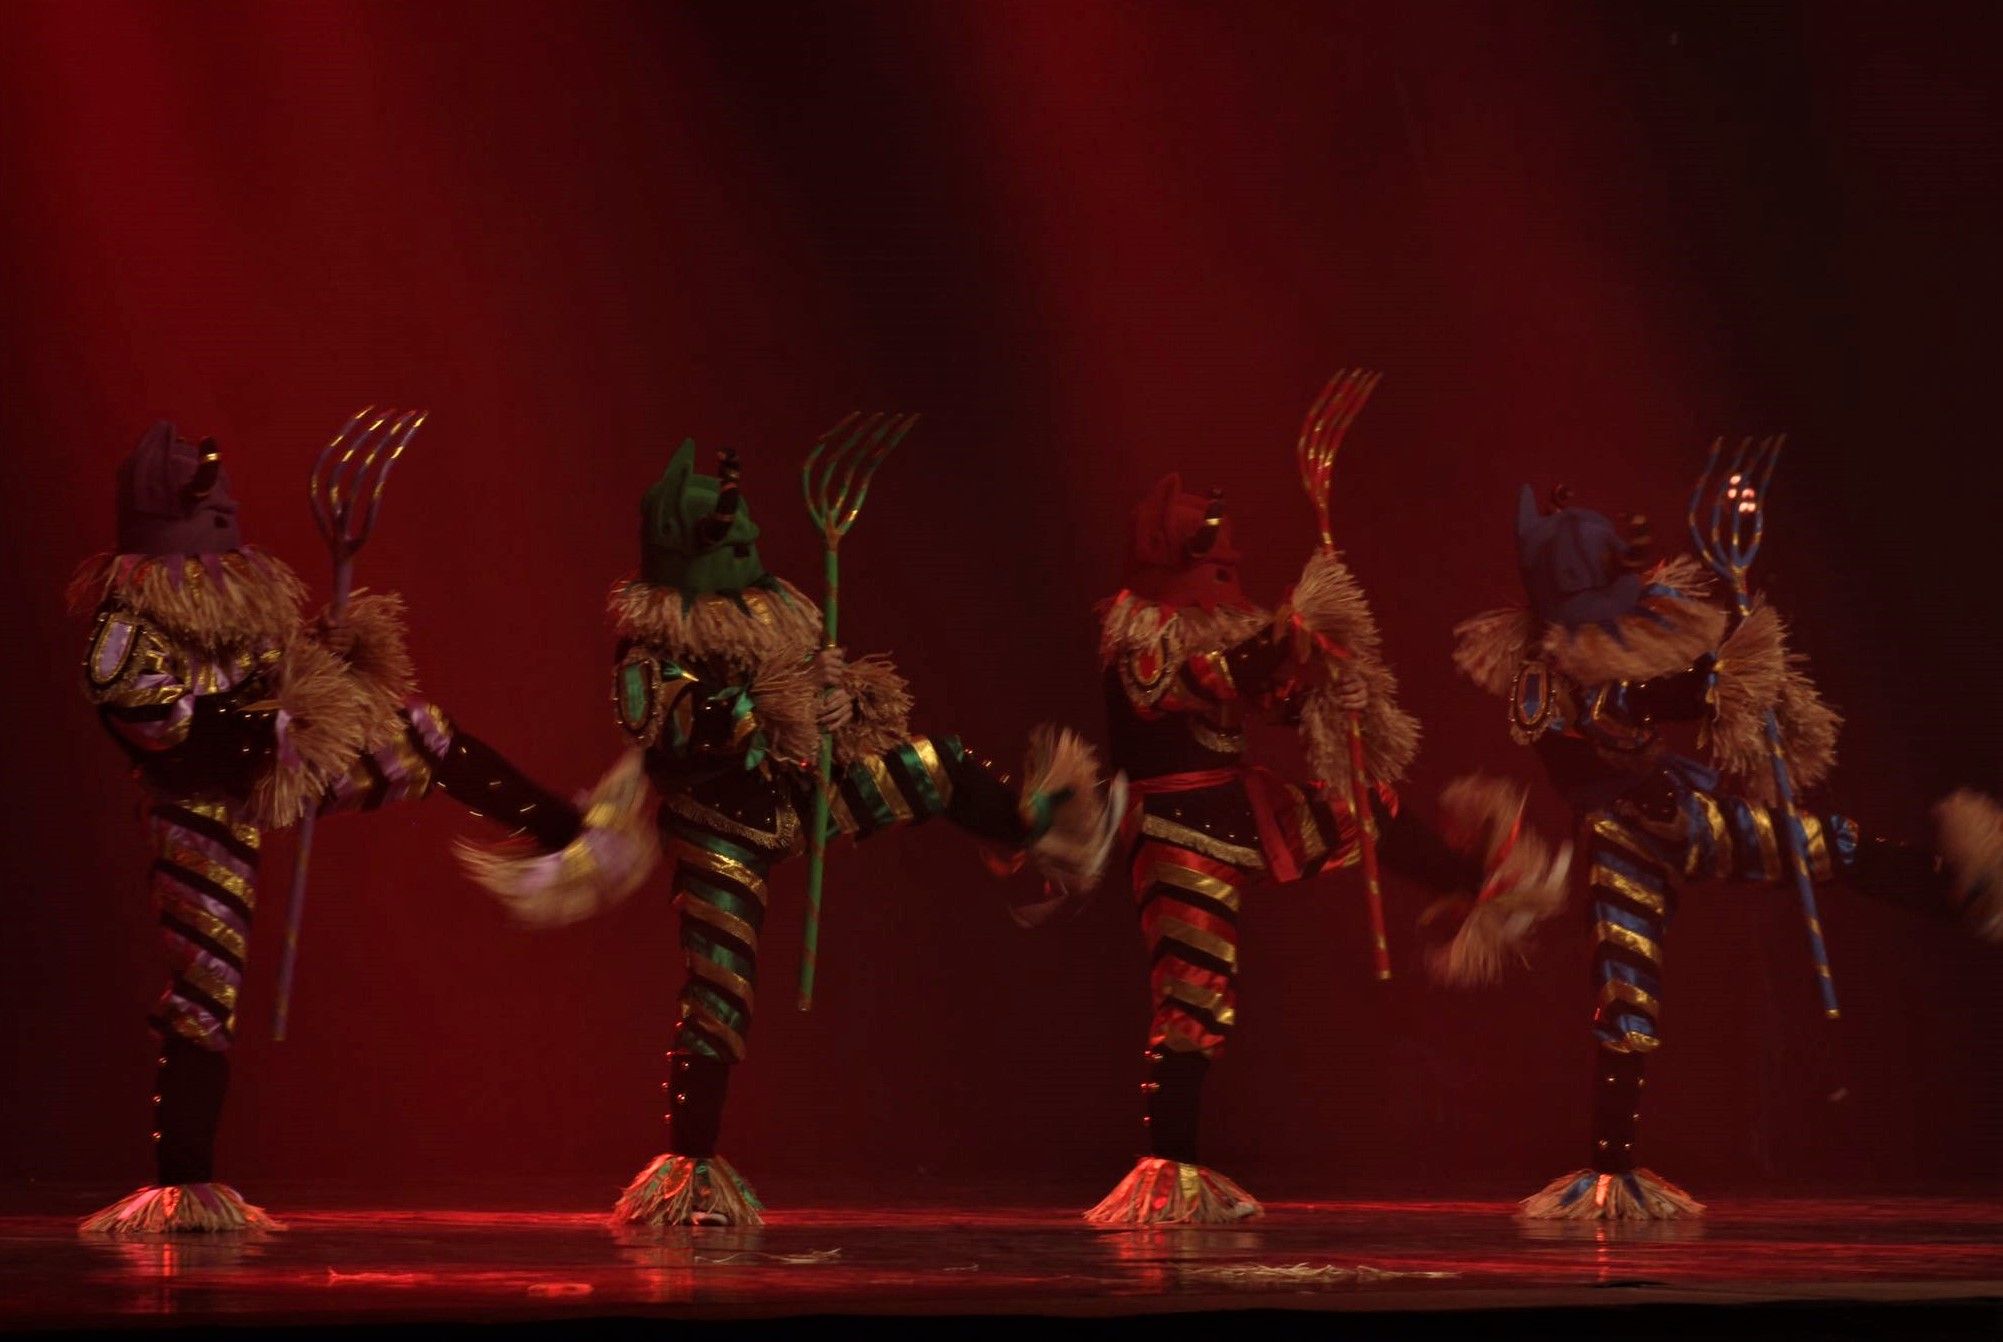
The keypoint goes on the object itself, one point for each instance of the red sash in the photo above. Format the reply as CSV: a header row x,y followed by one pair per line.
x,y
1269,795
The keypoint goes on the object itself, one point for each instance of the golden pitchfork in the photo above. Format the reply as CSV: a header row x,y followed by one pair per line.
x,y
835,481
345,492
1735,492
1328,419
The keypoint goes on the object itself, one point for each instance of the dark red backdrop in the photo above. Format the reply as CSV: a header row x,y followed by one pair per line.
x,y
1091,243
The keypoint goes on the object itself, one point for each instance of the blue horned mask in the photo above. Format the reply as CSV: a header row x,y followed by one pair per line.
x,y
1577,566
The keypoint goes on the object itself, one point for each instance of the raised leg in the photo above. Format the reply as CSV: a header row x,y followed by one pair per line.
x,y
1062,818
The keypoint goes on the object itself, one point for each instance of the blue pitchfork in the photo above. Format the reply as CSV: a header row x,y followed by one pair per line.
x,y
1732,493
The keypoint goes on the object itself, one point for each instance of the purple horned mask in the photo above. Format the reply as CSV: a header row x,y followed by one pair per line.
x,y
174,497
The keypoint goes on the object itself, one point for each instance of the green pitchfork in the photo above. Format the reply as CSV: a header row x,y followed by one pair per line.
x,y
1737,499
835,481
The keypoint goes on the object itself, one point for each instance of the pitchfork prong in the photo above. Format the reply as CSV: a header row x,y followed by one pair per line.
x,y
1746,520
834,500
814,456
891,435
342,480
1765,461
397,441
1352,406
1699,492
862,447
1721,493
862,465
359,480
1330,419
316,481
1317,414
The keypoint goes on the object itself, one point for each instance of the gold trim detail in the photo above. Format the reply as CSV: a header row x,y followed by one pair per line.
x,y
1196,882
1615,935
942,782
1606,878
1167,928
732,926
781,841
1168,831
715,1028
1623,991
1207,1000
735,984
1216,741
716,864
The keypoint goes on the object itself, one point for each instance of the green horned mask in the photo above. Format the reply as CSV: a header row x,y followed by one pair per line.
x,y
696,535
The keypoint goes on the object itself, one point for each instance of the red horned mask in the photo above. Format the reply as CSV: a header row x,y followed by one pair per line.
x,y
1180,551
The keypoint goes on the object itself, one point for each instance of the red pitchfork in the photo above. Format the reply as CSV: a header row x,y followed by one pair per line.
x,y
1328,419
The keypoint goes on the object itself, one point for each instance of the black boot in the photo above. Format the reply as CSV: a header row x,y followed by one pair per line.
x,y
691,1184
474,774
185,1197
1617,1083
188,1110
696,1086
1154,1194
1174,1101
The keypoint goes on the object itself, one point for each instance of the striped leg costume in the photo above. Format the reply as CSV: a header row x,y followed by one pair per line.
x,y
721,894
205,877
1189,901
1638,855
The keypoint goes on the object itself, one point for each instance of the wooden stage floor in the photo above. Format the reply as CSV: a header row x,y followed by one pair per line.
x,y
1889,1267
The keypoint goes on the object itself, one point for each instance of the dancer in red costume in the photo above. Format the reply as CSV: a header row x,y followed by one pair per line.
x,y
1189,660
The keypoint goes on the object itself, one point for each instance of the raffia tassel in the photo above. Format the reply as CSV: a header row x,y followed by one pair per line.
x,y
1587,1195
1131,624
1329,602
178,1209
378,655
1969,829
1684,575
611,857
257,599
1167,1192
1755,673
1525,882
882,709
688,1190
330,717
1668,632
1491,647
1390,734
784,696
1072,852
780,625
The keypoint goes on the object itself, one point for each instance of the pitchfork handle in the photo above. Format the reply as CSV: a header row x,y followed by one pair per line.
x,y
302,856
